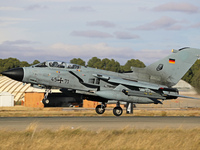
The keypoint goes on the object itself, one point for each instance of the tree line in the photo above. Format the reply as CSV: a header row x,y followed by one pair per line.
x,y
109,64
192,76
10,63
94,62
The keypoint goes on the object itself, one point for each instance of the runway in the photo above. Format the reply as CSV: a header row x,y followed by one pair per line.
x,y
99,123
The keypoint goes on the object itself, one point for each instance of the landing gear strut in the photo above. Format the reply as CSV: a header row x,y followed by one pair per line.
x,y
100,109
45,101
117,111
129,108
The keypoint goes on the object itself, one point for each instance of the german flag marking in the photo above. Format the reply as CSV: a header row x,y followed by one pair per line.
x,y
172,61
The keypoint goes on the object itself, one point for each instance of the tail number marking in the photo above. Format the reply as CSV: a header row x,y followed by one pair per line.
x,y
60,80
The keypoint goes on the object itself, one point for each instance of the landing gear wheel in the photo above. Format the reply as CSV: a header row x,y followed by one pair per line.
x,y
45,101
100,109
117,111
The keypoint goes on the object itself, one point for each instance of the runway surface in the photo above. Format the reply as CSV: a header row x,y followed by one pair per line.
x,y
98,123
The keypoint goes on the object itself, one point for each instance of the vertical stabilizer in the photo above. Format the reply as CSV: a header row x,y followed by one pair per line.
x,y
173,67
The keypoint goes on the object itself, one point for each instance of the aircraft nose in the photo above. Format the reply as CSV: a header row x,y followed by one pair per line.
x,y
16,74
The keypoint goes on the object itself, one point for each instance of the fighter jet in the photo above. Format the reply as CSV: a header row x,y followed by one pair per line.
x,y
152,84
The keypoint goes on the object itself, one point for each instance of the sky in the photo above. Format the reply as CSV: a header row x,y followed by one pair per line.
x,y
116,29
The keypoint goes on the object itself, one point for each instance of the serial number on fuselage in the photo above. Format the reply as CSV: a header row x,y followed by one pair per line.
x,y
60,80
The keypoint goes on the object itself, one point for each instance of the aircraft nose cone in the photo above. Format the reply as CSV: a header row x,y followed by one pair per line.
x,y
16,74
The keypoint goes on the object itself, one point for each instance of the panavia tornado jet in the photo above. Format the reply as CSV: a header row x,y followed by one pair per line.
x,y
152,84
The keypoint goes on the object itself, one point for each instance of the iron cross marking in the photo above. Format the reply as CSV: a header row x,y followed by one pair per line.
x,y
60,80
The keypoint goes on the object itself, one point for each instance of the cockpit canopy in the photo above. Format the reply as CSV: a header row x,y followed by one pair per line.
x,y
58,64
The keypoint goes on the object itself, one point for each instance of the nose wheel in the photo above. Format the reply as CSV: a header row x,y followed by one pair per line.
x,y
45,101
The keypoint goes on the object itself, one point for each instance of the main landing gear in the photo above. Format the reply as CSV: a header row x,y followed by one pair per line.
x,y
117,111
100,109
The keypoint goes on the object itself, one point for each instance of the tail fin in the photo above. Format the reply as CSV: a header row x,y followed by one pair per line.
x,y
173,67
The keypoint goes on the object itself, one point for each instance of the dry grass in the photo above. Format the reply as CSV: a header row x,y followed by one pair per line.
x,y
47,112
188,112
124,139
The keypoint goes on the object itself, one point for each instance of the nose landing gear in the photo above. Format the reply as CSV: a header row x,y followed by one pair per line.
x,y
45,101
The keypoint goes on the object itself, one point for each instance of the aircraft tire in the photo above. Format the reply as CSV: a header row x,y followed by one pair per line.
x,y
45,101
117,111
100,109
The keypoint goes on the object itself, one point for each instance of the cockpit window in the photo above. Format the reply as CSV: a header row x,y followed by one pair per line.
x,y
58,64
72,66
41,65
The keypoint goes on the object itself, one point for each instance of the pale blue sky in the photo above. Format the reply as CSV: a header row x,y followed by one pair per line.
x,y
119,29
